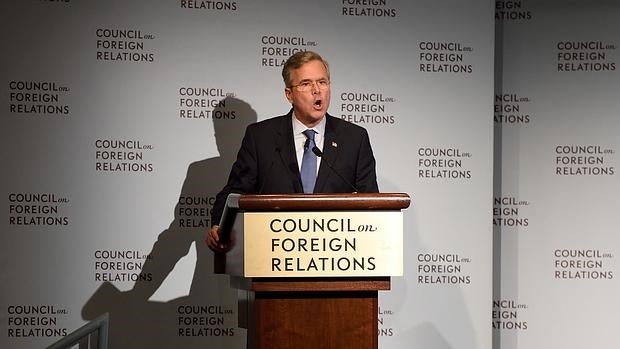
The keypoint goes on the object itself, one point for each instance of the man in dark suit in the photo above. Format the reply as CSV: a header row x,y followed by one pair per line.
x,y
272,158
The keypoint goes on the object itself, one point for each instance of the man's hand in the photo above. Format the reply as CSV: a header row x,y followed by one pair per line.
x,y
213,240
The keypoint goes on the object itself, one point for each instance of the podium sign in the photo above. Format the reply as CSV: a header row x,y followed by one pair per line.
x,y
323,244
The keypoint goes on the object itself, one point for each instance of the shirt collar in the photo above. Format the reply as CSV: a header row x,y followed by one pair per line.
x,y
299,127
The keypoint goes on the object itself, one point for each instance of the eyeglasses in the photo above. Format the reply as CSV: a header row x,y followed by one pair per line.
x,y
307,85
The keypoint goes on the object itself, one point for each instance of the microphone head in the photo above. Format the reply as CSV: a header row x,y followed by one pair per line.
x,y
317,151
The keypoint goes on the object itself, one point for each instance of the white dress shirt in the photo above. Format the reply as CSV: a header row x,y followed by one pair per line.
x,y
300,139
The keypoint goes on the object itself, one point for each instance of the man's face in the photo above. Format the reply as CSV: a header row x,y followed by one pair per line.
x,y
309,106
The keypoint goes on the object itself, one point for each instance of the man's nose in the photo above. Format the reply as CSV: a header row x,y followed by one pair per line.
x,y
315,87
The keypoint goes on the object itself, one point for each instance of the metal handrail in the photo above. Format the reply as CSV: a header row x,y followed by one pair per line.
x,y
100,326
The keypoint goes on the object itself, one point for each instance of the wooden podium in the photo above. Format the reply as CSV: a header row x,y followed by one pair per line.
x,y
312,265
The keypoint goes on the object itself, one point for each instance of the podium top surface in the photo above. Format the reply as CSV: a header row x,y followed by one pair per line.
x,y
320,202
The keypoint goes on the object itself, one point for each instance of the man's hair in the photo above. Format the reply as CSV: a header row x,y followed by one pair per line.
x,y
297,60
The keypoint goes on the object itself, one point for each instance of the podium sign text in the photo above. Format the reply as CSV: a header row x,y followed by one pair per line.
x,y
335,243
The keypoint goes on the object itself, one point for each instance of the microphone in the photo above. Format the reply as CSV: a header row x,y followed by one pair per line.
x,y
319,153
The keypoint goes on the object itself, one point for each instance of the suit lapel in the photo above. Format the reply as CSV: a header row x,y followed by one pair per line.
x,y
330,154
285,142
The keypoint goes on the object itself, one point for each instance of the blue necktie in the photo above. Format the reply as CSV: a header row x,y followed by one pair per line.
x,y
308,163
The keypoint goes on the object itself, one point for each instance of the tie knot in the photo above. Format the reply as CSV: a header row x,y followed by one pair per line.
x,y
309,134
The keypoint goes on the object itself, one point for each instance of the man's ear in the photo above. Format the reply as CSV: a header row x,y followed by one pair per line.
x,y
288,93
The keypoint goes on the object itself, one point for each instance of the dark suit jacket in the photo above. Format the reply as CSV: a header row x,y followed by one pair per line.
x,y
267,163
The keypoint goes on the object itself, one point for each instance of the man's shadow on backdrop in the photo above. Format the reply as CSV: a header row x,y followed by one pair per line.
x,y
136,322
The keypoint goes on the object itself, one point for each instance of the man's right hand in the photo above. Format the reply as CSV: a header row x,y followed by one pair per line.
x,y
214,243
